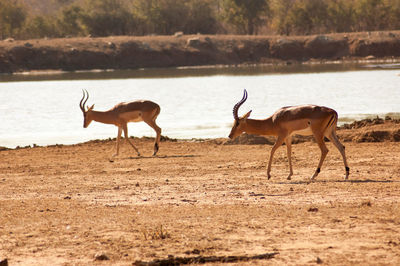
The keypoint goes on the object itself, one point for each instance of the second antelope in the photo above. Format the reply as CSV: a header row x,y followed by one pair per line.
x,y
314,120
121,114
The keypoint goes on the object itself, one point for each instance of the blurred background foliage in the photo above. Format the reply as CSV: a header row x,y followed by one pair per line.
x,y
26,19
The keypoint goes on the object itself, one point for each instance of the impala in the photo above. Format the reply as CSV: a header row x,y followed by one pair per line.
x,y
314,120
121,114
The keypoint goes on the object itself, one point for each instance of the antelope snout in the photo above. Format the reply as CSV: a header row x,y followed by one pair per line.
x,y
233,134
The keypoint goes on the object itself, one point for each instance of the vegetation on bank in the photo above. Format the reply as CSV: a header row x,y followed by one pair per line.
x,y
25,19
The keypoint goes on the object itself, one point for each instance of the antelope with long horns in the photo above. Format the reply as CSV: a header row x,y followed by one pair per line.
x,y
314,120
121,114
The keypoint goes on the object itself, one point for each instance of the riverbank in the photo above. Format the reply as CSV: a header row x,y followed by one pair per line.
x,y
201,201
129,52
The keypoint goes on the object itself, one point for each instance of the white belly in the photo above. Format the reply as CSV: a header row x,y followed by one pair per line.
x,y
135,116
304,132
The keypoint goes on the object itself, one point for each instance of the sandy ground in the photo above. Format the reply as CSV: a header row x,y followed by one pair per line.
x,y
198,201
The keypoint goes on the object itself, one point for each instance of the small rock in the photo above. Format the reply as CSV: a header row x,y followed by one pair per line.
x,y
178,34
193,42
27,44
146,46
4,262
313,209
195,251
366,203
111,45
101,256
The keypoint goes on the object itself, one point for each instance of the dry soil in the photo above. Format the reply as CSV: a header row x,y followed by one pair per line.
x,y
199,201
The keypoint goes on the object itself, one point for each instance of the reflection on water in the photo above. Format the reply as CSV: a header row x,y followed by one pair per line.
x,y
192,71
43,108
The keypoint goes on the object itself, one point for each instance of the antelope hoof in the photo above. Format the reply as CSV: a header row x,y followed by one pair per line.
x,y
155,149
314,176
269,176
347,174
289,178
112,157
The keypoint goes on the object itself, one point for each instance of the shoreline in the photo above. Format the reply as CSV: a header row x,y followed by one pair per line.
x,y
136,52
370,63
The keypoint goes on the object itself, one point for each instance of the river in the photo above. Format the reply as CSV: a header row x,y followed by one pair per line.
x,y
43,108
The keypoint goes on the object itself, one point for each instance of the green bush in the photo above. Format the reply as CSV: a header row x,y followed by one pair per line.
x,y
40,27
245,15
106,17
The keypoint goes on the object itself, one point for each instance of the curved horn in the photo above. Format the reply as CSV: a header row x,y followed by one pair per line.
x,y
85,95
236,107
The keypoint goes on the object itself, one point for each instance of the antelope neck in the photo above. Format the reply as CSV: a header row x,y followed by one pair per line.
x,y
260,126
104,117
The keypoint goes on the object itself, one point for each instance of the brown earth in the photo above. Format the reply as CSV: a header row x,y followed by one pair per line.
x,y
201,202
130,52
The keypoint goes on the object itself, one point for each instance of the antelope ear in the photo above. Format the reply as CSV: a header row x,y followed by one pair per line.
x,y
91,107
247,115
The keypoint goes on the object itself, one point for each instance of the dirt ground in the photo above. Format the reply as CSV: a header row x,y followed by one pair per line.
x,y
199,202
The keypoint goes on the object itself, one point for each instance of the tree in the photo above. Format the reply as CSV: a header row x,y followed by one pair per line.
x,y
40,27
245,15
372,15
201,17
341,16
280,10
308,16
70,22
12,18
163,16
394,14
107,17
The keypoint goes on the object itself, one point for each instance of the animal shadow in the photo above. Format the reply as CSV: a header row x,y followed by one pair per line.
x,y
162,157
353,181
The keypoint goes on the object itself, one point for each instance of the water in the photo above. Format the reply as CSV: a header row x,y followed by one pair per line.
x,y
43,109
